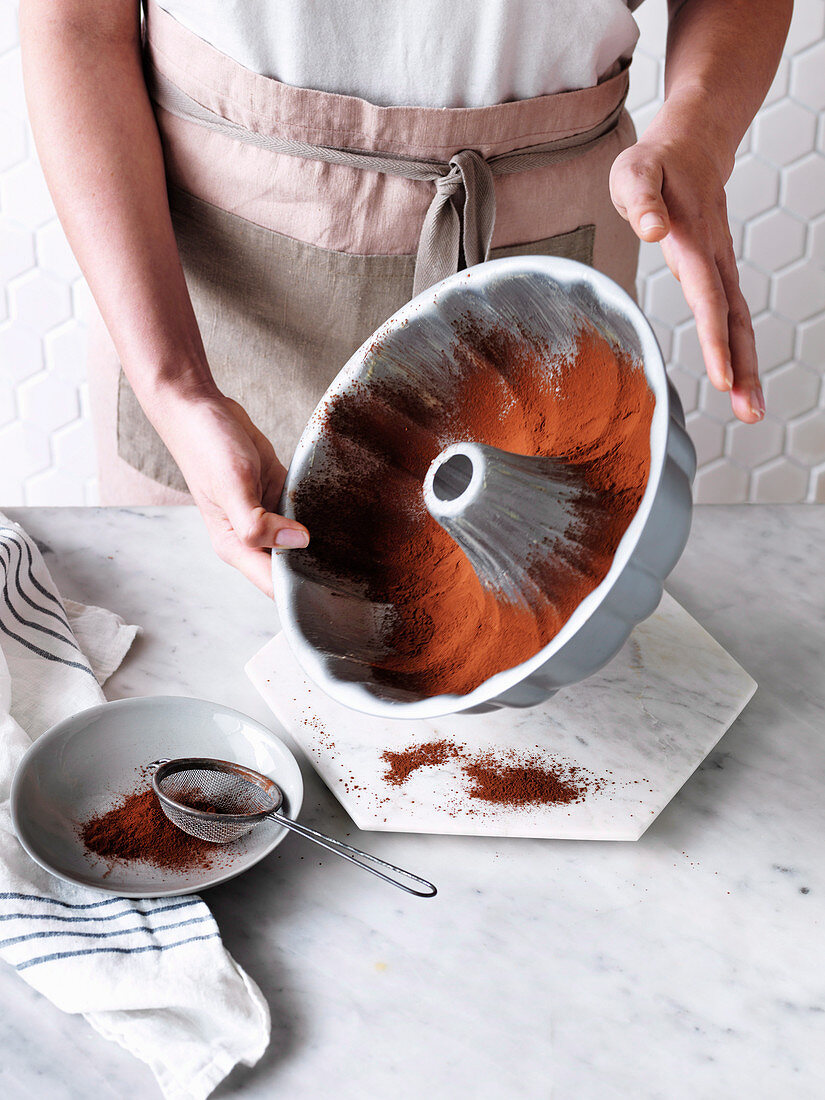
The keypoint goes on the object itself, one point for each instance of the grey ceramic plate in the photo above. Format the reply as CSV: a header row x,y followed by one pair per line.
x,y
74,769
551,298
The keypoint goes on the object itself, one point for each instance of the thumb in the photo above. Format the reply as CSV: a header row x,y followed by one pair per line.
x,y
254,526
636,191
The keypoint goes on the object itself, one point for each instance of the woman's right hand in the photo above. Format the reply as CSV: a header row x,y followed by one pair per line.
x,y
235,479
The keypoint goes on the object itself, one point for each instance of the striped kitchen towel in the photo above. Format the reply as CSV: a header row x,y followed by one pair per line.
x,y
153,975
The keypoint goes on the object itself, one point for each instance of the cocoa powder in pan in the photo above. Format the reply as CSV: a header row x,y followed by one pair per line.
x,y
442,630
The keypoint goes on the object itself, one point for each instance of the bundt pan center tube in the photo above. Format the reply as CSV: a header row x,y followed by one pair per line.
x,y
496,486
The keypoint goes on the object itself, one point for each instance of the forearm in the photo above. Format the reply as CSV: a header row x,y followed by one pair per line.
x,y
721,58
100,151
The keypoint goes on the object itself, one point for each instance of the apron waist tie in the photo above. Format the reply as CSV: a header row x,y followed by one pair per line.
x,y
458,226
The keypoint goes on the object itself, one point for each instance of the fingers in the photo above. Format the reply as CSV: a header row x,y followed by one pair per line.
x,y
746,397
256,566
636,190
254,526
705,293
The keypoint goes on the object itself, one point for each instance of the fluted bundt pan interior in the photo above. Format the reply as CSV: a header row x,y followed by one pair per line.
x,y
496,485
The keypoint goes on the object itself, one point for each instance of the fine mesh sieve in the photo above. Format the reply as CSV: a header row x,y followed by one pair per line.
x,y
219,801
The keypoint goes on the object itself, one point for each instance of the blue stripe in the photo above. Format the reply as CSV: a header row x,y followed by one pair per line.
x,y
42,652
71,642
21,544
108,916
115,950
103,935
32,578
65,904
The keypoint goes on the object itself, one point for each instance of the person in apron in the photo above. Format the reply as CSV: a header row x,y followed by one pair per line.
x,y
245,235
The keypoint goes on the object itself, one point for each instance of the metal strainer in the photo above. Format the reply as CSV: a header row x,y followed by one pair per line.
x,y
219,801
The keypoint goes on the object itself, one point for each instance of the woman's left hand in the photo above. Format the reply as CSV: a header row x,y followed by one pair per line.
x,y
672,189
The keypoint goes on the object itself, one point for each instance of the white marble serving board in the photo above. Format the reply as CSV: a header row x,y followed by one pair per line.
x,y
642,725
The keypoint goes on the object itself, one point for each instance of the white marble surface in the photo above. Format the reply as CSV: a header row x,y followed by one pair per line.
x,y
671,684
688,964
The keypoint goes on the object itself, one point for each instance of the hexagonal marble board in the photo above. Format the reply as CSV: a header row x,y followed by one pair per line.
x,y
642,726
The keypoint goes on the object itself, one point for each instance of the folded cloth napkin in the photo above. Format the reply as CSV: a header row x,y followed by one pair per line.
x,y
152,975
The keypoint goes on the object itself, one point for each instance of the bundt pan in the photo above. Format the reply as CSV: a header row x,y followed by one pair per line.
x,y
491,502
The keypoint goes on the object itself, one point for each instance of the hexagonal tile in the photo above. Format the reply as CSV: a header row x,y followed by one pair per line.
x,y
8,405
808,77
23,191
686,349
650,258
779,85
818,480
806,438
52,485
83,304
74,449
665,300
65,349
21,351
774,340
707,436
16,251
816,240
755,286
791,390
779,482
644,81
784,132
11,83
799,290
54,254
664,336
39,300
750,444
721,483
24,450
803,186
47,401
716,403
810,343
774,240
13,143
687,386
9,36
806,26
752,188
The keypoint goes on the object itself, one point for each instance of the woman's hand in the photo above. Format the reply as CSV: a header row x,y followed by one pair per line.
x,y
236,480
671,188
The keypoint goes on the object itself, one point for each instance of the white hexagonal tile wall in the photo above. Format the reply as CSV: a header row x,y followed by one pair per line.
x,y
750,444
806,438
784,132
791,390
803,186
774,340
47,401
720,483
780,482
799,290
774,240
808,77
810,343
708,437
752,188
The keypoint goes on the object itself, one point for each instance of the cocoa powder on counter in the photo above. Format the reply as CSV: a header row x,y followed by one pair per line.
x,y
443,631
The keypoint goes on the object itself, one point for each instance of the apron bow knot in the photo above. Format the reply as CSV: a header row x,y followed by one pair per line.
x,y
458,227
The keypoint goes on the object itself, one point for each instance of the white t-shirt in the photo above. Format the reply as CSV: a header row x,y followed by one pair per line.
x,y
426,53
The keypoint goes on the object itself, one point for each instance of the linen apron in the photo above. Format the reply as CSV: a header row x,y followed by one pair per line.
x,y
304,219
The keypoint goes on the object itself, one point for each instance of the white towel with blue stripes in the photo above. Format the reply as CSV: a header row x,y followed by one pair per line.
x,y
153,975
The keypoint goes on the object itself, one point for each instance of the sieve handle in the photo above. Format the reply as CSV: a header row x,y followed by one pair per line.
x,y
359,858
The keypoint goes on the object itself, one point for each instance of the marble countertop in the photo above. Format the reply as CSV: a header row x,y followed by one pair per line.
x,y
687,964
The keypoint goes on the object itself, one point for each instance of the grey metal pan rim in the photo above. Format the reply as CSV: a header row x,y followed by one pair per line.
x,y
545,290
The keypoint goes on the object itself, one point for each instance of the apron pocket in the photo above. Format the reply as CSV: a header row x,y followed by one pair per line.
x,y
279,318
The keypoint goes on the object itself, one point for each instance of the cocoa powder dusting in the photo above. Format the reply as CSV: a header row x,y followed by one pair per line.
x,y
136,828
508,779
442,630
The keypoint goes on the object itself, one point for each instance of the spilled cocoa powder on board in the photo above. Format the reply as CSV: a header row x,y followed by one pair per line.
x,y
136,828
509,779
443,631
